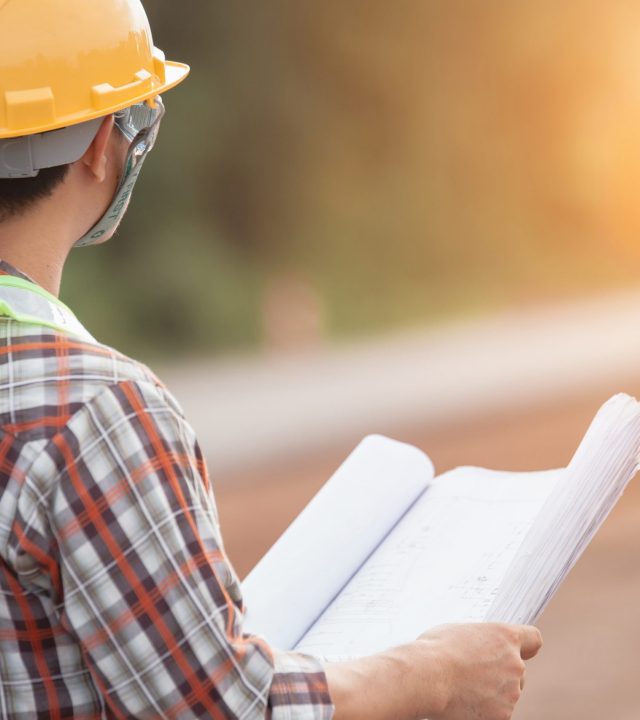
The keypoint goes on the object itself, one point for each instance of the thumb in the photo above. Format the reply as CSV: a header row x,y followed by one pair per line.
x,y
530,642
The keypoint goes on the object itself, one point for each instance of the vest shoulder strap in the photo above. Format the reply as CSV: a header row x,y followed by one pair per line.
x,y
28,303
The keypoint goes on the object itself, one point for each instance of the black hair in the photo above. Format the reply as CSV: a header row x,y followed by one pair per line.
x,y
18,194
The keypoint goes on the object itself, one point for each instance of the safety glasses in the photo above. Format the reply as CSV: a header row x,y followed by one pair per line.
x,y
140,125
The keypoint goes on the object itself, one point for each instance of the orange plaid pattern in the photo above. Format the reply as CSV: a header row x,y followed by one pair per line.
x,y
116,597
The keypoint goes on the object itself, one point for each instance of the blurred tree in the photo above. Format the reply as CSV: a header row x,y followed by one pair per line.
x,y
402,161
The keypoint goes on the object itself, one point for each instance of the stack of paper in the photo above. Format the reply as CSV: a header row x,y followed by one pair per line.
x,y
386,551
605,462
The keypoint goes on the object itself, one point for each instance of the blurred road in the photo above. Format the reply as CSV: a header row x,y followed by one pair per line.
x,y
257,410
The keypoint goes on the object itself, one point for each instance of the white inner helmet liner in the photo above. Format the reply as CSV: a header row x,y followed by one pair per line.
x,y
24,157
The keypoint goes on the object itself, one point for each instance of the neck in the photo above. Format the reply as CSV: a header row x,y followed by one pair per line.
x,y
38,241
35,255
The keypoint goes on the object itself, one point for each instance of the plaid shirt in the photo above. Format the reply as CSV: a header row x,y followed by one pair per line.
x,y
116,597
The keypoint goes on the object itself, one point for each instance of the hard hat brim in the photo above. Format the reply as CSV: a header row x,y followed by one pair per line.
x,y
175,73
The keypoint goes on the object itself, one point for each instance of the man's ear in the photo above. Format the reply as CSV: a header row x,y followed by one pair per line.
x,y
95,159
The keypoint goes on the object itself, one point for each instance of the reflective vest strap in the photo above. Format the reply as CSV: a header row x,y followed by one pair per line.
x,y
27,303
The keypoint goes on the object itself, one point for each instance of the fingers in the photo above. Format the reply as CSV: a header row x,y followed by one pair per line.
x,y
530,642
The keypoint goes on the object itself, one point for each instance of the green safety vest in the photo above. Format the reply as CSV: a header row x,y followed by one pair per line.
x,y
28,303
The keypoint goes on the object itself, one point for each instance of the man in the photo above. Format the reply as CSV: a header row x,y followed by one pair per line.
x,y
116,597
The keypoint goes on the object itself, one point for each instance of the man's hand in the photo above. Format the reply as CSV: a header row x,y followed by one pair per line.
x,y
454,672
483,668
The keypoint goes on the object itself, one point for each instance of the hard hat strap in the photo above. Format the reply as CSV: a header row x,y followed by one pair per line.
x,y
105,228
28,303
139,149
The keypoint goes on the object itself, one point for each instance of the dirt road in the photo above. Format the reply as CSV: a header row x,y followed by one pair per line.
x,y
589,667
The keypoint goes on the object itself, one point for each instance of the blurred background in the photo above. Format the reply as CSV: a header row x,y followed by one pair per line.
x,y
419,218
373,167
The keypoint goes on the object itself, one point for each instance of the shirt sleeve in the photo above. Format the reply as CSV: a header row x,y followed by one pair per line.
x,y
146,587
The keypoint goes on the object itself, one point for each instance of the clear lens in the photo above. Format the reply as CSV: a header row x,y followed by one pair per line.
x,y
140,125
135,119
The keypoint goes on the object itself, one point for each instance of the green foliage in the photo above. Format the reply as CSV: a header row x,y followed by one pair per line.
x,y
410,161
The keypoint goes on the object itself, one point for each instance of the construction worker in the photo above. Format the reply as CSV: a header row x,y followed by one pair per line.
x,y
116,597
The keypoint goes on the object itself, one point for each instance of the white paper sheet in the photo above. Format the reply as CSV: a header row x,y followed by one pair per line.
x,y
326,544
442,563
603,465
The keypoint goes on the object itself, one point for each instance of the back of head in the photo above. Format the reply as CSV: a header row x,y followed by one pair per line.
x,y
64,66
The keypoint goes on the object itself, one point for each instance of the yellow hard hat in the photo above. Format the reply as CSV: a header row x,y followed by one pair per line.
x,y
65,62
